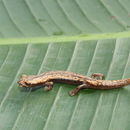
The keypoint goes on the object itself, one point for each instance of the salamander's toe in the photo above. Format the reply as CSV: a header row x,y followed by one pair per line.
x,y
72,93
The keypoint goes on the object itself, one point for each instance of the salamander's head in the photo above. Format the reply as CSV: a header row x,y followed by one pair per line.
x,y
31,82
28,83
23,82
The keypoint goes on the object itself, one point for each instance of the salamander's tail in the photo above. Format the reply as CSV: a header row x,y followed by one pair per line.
x,y
108,84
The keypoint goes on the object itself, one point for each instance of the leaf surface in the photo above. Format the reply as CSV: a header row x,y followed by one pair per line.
x,y
81,36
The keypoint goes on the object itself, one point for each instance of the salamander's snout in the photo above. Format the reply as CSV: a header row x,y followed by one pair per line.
x,y
23,86
22,83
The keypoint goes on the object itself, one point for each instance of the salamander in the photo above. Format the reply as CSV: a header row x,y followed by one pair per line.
x,y
47,79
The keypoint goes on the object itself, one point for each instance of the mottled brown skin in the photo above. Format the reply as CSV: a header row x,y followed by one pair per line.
x,y
95,81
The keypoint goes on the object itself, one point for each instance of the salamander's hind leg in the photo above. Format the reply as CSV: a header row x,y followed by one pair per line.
x,y
97,76
77,89
48,86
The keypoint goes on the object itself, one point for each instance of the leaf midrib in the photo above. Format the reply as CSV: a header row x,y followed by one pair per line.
x,y
34,40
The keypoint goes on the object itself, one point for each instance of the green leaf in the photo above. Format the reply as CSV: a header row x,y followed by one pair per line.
x,y
82,36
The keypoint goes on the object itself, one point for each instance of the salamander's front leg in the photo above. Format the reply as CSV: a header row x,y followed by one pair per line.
x,y
77,89
48,86
97,76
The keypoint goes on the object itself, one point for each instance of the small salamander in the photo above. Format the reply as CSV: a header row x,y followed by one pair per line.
x,y
95,81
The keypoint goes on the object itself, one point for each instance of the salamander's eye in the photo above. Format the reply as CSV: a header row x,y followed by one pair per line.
x,y
27,84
